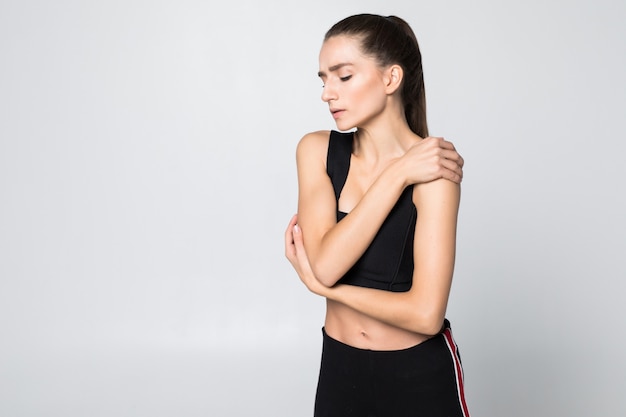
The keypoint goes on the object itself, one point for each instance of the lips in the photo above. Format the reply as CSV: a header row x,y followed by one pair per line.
x,y
337,112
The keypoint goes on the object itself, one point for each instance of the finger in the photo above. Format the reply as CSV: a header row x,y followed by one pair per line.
x,y
451,175
446,144
453,156
289,247
452,171
442,142
298,242
434,141
300,252
290,251
453,166
450,152
297,239
288,231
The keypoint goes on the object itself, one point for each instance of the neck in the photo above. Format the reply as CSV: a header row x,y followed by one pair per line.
x,y
387,136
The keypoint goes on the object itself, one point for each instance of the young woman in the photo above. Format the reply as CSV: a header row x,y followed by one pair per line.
x,y
375,232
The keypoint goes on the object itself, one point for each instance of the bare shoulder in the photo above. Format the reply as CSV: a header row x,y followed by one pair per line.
x,y
312,150
313,144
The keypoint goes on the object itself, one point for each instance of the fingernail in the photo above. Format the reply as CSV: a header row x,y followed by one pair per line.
x,y
296,228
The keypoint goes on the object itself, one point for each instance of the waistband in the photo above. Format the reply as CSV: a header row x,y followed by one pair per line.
x,y
328,340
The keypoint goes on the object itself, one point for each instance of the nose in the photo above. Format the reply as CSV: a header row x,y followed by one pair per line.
x,y
328,93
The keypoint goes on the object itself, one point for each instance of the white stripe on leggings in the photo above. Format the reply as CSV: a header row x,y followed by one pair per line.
x,y
458,369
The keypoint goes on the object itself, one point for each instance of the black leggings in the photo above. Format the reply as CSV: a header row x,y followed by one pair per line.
x,y
425,380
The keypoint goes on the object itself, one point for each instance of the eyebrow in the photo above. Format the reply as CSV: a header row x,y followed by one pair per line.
x,y
333,68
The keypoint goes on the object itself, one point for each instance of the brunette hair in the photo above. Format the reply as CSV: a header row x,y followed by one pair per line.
x,y
390,40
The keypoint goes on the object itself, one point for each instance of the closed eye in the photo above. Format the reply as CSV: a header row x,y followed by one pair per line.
x,y
346,78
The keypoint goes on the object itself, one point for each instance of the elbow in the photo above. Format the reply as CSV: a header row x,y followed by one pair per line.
x,y
326,276
428,323
434,327
327,280
328,283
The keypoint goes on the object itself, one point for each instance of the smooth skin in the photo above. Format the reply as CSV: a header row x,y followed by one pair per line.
x,y
387,157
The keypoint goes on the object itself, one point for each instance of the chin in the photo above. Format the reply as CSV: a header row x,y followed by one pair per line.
x,y
344,126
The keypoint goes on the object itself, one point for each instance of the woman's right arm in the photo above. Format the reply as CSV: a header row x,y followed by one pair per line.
x,y
334,247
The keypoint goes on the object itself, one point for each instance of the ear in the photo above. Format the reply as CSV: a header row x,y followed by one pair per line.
x,y
393,78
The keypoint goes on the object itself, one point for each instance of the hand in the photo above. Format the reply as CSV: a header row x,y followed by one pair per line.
x,y
295,252
433,158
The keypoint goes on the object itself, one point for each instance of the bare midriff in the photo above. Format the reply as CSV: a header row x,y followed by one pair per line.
x,y
364,332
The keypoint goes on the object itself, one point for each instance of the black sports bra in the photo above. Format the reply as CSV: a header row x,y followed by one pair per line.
x,y
387,264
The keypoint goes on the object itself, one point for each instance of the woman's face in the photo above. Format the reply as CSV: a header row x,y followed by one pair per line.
x,y
354,84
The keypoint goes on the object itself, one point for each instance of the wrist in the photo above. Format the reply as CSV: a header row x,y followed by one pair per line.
x,y
396,174
332,292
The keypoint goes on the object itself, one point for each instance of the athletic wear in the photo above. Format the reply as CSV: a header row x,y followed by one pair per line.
x,y
425,380
387,264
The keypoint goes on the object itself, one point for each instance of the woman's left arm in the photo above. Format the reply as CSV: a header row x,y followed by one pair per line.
x,y
422,308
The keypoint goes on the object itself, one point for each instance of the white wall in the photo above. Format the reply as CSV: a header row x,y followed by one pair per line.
x,y
147,174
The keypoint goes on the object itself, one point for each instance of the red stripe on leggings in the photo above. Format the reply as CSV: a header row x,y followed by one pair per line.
x,y
458,369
